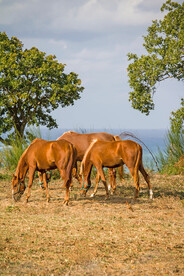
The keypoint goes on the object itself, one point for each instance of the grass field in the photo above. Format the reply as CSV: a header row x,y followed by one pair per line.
x,y
94,236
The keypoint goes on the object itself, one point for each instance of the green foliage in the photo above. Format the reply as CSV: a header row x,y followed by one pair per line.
x,y
177,119
165,46
31,86
10,154
172,160
171,157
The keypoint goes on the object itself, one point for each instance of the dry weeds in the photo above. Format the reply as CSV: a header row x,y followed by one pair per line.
x,y
94,236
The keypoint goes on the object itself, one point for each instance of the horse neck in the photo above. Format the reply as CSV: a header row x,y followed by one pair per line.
x,y
21,168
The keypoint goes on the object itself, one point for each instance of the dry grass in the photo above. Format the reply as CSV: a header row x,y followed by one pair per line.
x,y
94,236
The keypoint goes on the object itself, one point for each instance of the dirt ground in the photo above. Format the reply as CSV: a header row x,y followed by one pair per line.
x,y
94,236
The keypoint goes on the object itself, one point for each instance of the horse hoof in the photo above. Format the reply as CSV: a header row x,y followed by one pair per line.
x,y
92,195
65,202
151,194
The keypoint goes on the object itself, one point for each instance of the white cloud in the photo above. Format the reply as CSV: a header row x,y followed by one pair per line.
x,y
93,38
104,16
63,16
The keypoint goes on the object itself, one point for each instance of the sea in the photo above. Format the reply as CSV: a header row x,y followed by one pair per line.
x,y
151,140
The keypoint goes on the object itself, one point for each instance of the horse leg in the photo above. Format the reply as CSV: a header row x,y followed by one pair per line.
x,y
112,180
67,195
96,185
40,176
31,176
67,183
44,175
147,179
101,173
121,172
48,177
74,172
85,178
135,176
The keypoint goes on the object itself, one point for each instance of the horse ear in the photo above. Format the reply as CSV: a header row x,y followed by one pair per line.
x,y
14,176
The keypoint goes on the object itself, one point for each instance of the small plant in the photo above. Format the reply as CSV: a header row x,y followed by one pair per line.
x,y
11,208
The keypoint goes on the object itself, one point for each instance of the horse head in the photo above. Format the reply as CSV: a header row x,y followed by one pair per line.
x,y
18,187
84,186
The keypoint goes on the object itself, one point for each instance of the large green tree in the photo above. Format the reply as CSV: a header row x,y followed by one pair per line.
x,y
165,59
31,86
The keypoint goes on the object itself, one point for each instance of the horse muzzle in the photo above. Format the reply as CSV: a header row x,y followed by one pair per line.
x,y
83,193
17,195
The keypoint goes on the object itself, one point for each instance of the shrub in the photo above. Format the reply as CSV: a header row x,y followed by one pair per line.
x,y
170,160
11,153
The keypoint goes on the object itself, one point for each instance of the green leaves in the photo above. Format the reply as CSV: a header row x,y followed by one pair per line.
x,y
165,46
31,86
177,119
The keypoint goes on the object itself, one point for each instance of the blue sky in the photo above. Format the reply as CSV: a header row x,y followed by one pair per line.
x,y
93,37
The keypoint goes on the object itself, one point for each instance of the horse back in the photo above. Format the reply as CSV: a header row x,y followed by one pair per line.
x,y
117,152
81,141
48,154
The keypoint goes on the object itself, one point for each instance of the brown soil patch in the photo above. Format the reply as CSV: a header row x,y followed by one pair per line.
x,y
94,236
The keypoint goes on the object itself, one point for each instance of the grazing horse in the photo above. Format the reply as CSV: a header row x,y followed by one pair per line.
x,y
41,156
81,141
111,155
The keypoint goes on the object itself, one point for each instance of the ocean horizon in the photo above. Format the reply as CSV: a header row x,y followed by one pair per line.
x,y
152,139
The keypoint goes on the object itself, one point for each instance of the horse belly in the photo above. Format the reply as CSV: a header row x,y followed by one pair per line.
x,y
46,161
46,165
112,162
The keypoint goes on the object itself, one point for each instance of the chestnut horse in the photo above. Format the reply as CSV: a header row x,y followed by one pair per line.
x,y
81,141
41,156
111,155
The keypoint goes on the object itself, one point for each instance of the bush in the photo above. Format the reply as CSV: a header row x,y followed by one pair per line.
x,y
11,153
170,160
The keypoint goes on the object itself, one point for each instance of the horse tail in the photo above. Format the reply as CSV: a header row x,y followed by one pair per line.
x,y
124,134
86,155
139,158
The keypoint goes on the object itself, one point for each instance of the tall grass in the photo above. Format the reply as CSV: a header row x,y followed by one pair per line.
x,y
10,154
170,159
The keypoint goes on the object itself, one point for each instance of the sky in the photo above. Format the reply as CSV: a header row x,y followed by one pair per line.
x,y
93,38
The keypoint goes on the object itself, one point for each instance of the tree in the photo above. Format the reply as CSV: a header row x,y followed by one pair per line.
x,y
177,119
165,46
31,86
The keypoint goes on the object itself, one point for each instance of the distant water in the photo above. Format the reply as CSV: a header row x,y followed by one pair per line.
x,y
153,139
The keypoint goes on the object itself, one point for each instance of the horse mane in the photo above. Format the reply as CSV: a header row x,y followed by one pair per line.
x,y
22,157
86,153
66,132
